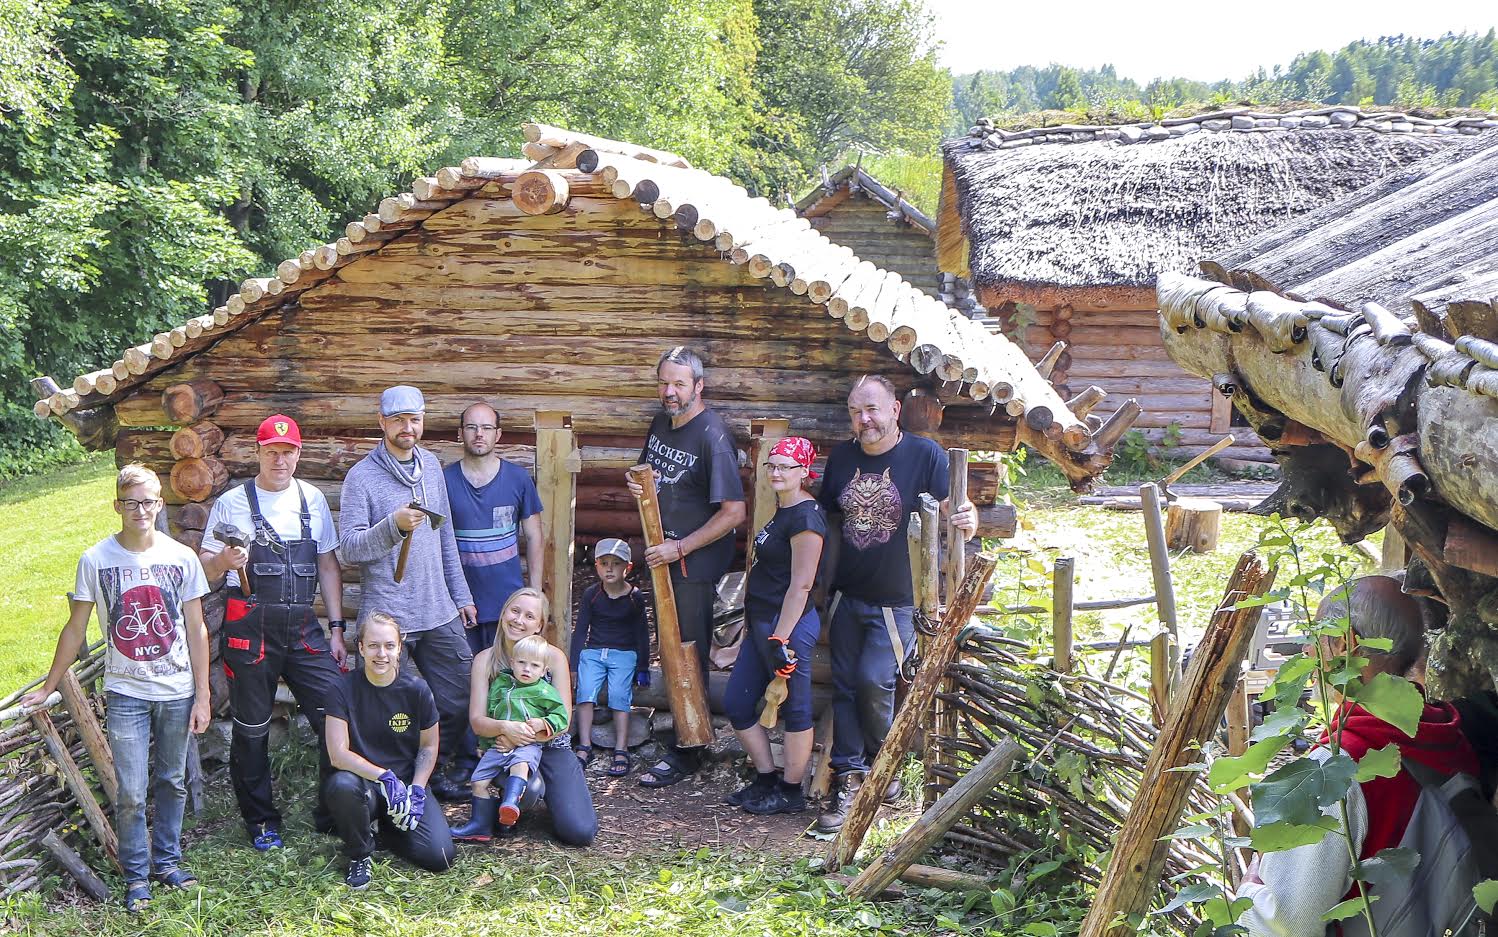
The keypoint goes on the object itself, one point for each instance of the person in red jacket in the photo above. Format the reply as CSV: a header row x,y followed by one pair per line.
x,y
1292,889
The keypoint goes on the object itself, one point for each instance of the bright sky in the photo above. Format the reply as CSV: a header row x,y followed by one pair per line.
x,y
1200,39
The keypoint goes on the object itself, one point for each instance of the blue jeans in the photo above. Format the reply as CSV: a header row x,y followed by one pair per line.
x,y
134,724
865,665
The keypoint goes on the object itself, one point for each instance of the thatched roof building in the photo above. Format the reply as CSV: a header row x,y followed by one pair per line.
x,y
1371,367
1063,230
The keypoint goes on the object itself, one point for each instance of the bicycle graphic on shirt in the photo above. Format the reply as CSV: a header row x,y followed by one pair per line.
x,y
142,619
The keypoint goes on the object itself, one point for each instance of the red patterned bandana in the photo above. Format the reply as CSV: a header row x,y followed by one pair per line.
x,y
799,449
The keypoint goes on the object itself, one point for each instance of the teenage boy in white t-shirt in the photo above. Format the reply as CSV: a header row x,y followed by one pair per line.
x,y
147,588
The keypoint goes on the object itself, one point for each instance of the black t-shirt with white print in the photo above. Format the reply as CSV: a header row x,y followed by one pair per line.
x,y
385,722
770,576
698,469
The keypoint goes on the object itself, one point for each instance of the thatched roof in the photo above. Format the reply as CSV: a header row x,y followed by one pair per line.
x,y
1425,235
853,179
1053,214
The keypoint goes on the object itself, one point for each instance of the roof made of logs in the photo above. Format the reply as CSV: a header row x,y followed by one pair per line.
x,y
854,180
773,243
1042,211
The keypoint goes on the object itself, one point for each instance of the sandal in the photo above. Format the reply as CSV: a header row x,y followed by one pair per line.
x,y
619,764
584,754
176,878
137,897
664,773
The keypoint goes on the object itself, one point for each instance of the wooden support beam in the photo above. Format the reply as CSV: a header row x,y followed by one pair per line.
x,y
943,651
1138,861
934,823
930,876
955,557
763,435
689,709
927,593
558,461
540,192
95,742
91,884
1062,580
77,785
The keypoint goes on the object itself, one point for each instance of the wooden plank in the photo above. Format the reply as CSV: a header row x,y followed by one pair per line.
x,y
935,822
1138,861
558,461
1062,581
902,731
77,785
763,435
95,742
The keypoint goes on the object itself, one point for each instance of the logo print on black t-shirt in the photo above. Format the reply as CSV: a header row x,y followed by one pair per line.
x,y
400,722
871,509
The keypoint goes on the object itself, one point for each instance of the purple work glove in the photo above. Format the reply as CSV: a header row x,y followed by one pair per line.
x,y
396,794
416,805
642,678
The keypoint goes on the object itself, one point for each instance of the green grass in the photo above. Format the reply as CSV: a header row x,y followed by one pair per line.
x,y
50,520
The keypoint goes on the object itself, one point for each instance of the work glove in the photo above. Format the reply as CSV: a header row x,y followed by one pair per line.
x,y
781,658
416,805
397,796
642,678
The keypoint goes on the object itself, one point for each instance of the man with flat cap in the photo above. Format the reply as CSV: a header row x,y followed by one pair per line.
x,y
432,603
284,542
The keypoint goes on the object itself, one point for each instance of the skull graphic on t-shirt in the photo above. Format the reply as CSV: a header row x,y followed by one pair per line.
x,y
871,509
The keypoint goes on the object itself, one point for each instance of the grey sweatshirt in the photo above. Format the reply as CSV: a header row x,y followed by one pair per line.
x,y
433,588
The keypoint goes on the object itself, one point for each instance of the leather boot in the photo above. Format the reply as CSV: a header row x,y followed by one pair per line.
x,y
509,808
893,792
844,786
480,827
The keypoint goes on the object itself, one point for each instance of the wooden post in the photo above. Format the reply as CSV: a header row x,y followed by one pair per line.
x,y
956,557
687,695
1193,524
763,435
1061,610
821,774
942,652
931,876
557,464
1395,554
94,740
70,860
196,800
1160,646
1138,860
934,823
76,784
1165,593
928,598
1239,727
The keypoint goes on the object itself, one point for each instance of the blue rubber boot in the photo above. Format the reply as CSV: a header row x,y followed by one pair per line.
x,y
480,828
509,808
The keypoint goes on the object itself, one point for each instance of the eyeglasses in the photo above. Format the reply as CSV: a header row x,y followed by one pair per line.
x,y
774,468
131,504
479,427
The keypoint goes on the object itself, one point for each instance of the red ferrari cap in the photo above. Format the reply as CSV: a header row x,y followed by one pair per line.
x,y
279,428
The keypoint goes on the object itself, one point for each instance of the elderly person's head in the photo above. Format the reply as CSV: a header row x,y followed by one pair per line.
x,y
1377,607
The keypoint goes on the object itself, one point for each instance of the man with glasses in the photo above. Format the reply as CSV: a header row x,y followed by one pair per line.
x,y
494,501
147,588
271,632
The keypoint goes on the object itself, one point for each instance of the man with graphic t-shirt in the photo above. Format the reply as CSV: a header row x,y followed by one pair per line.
x,y
869,489
702,501
270,631
147,588
494,501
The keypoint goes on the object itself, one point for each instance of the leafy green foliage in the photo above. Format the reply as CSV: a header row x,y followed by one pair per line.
x,y
1394,700
1486,894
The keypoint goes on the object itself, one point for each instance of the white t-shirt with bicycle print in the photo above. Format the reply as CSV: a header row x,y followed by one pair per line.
x,y
138,598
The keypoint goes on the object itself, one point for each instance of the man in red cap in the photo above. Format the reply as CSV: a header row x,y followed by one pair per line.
x,y
270,631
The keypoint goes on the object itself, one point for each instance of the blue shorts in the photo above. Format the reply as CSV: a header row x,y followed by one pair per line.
x,y
595,664
495,762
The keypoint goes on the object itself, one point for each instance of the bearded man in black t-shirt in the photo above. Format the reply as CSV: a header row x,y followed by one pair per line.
x,y
701,500
869,489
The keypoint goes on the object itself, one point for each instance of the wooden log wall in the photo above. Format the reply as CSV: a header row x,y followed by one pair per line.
x,y
862,223
1121,350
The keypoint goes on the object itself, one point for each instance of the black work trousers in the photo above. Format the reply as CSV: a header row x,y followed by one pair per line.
x,y
445,660
267,644
357,808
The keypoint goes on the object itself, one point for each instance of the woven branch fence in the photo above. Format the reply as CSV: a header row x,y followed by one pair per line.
x,y
1086,742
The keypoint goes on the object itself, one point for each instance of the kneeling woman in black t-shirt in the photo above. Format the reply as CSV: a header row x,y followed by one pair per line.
x,y
382,742
783,627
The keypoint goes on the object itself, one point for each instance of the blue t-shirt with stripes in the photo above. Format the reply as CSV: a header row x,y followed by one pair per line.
x,y
486,522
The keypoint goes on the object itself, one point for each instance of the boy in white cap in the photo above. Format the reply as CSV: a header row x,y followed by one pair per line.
x,y
610,642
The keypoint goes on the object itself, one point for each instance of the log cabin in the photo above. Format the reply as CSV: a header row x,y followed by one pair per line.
x,y
1361,342
1064,229
549,286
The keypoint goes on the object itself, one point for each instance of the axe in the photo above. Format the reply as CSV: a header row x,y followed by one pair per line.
x,y
437,521
1175,476
232,536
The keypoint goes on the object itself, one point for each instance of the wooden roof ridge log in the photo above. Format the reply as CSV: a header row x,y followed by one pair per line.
x,y
819,199
559,138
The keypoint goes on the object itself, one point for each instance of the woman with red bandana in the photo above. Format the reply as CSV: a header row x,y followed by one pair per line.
x,y
782,631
